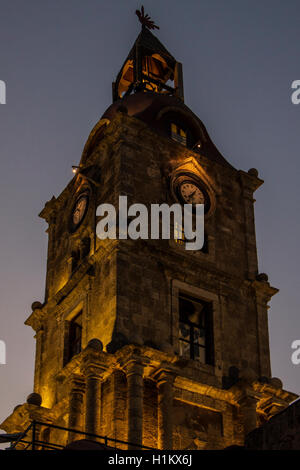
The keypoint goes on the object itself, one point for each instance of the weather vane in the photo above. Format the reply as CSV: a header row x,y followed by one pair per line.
x,y
145,20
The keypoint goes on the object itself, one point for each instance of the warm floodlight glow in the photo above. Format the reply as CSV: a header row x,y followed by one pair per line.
x,y
75,169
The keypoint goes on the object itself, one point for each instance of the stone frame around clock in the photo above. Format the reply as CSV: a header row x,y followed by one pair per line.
x,y
72,226
191,170
189,177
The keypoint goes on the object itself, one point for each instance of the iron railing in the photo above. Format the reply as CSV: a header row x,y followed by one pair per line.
x,y
30,439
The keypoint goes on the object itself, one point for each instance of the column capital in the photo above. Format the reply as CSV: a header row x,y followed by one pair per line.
x,y
76,383
92,368
135,365
263,290
163,376
93,371
93,361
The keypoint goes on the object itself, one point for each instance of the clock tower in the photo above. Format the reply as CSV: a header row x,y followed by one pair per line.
x,y
143,341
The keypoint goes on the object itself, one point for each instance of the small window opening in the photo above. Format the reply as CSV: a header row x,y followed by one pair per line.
x,y
75,336
178,134
195,329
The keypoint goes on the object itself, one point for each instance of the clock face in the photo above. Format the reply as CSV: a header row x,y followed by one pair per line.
x,y
191,193
79,210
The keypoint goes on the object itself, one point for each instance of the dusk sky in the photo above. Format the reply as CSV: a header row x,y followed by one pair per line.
x,y
58,59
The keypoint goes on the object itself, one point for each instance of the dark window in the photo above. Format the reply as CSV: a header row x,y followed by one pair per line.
x,y
195,329
75,336
180,129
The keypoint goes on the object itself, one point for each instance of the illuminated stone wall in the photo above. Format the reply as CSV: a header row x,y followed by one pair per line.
x,y
138,388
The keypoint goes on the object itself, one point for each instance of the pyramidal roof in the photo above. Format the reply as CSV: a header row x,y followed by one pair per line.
x,y
148,42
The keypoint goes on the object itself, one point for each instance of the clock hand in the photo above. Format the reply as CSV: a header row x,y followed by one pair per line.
x,y
191,195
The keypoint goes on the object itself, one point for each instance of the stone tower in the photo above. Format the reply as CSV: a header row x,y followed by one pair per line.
x,y
142,340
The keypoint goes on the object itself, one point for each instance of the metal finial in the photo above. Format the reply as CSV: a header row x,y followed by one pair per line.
x,y
145,20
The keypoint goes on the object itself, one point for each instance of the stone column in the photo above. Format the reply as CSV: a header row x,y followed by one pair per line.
x,y
75,408
248,409
93,400
38,357
134,372
250,182
165,381
264,293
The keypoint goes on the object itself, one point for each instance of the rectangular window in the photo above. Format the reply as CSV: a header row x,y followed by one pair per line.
x,y
195,329
178,134
179,234
74,336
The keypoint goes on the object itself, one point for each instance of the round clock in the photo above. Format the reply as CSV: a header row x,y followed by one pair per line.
x,y
191,193
79,210
189,189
